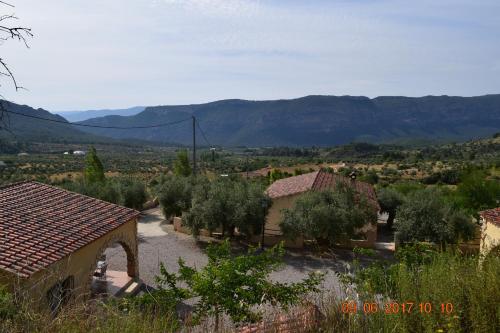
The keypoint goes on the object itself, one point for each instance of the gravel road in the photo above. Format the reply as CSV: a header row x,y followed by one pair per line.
x,y
158,242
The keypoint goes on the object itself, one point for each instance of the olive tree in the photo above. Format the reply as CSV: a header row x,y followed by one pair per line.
x,y
426,216
174,195
389,200
227,204
329,216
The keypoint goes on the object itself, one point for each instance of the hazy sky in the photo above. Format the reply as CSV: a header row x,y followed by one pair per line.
x,y
120,53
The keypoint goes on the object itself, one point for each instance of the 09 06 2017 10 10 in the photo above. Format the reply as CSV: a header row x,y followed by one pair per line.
x,y
390,308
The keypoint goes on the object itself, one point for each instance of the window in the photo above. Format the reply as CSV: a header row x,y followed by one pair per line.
x,y
60,294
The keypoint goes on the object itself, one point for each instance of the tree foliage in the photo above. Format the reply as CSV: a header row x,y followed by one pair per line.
x,y
328,216
276,174
133,193
127,192
389,200
181,164
426,216
174,195
94,171
234,285
476,192
227,204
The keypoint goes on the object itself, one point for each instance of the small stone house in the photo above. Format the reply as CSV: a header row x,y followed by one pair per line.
x,y
285,192
490,230
51,240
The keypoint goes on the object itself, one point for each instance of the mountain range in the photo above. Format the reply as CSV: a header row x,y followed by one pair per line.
x,y
73,116
316,120
21,128
306,121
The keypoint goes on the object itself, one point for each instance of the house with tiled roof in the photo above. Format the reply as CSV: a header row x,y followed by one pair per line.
x,y
51,240
490,230
285,192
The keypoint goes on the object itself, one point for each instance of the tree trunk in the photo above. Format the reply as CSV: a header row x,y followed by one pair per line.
x,y
390,220
217,319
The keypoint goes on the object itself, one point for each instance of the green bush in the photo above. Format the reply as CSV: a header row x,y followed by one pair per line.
x,y
121,191
426,216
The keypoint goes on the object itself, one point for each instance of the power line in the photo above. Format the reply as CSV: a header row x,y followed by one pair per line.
x,y
97,126
203,133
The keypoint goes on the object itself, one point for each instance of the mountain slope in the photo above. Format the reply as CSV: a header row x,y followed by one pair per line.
x,y
28,129
74,116
317,120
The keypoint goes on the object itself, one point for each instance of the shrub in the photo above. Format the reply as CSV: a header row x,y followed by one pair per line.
x,y
425,216
234,285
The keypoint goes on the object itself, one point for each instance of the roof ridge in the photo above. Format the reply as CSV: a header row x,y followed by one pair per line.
x,y
320,171
16,183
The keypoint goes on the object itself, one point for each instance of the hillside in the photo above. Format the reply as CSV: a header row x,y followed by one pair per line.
x,y
19,128
319,120
73,116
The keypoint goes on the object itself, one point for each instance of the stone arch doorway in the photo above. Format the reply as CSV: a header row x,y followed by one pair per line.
x,y
110,276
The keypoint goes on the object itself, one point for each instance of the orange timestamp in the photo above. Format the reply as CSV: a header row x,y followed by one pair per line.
x,y
391,308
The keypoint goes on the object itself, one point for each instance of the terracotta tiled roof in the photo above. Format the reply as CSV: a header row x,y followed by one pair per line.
x,y
292,185
318,180
491,215
41,224
325,180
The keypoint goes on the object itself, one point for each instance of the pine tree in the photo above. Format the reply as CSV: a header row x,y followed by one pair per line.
x,y
181,164
94,171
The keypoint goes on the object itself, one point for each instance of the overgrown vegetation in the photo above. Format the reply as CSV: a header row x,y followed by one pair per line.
x,y
425,291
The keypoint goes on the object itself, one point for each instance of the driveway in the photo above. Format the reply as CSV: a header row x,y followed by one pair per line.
x,y
158,242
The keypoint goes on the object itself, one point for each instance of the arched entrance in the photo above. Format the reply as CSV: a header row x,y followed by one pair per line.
x,y
115,267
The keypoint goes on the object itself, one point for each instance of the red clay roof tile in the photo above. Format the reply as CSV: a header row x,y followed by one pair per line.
x,y
491,215
41,224
319,180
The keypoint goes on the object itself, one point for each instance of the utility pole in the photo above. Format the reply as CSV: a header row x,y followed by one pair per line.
x,y
247,166
194,145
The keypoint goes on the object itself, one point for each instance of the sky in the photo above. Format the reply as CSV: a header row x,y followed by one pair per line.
x,y
89,54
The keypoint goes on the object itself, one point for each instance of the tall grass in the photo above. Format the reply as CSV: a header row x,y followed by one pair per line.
x,y
471,286
88,317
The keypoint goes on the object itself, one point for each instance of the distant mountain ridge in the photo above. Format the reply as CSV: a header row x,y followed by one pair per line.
x,y
316,120
21,128
74,116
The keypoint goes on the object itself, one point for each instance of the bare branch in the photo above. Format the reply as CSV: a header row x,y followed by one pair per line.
x,y
5,3
10,31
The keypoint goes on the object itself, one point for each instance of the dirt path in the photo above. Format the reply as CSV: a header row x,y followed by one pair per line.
x,y
160,243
